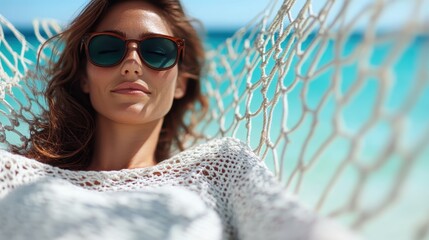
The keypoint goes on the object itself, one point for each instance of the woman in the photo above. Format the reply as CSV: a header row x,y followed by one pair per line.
x,y
92,123
119,91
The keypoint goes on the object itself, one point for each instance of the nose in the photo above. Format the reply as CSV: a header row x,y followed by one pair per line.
x,y
132,63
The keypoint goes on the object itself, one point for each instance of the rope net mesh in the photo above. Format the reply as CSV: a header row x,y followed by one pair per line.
x,y
333,101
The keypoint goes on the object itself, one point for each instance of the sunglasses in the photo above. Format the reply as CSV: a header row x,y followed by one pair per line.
x,y
158,52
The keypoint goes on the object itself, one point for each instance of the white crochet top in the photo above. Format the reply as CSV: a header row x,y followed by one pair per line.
x,y
218,190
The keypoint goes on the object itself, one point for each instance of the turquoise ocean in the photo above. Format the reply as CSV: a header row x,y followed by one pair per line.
x,y
402,218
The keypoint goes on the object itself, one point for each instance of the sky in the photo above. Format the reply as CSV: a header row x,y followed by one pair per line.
x,y
213,13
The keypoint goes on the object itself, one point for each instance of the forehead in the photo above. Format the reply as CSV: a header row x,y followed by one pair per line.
x,y
134,18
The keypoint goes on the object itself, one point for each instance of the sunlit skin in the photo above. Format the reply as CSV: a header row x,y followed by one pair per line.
x,y
128,121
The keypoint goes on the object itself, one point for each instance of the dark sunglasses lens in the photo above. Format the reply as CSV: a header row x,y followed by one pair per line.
x,y
106,50
158,52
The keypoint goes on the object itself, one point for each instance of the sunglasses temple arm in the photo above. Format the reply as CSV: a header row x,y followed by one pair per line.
x,y
182,54
82,44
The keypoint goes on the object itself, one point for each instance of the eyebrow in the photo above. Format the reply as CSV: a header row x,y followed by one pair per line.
x,y
123,34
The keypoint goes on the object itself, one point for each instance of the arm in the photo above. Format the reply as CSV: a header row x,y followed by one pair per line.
x,y
263,210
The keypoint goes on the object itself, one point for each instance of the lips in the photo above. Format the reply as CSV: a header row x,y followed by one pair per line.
x,y
131,88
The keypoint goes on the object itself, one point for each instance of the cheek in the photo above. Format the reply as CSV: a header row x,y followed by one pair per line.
x,y
95,76
165,82
92,71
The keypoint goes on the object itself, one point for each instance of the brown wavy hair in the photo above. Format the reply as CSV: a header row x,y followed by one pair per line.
x,y
64,134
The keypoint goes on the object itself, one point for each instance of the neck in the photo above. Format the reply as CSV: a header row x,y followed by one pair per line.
x,y
119,146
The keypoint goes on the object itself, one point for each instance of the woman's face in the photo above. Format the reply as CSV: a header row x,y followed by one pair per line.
x,y
105,85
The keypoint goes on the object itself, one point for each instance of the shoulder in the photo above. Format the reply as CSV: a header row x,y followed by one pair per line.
x,y
227,145
10,161
16,170
226,150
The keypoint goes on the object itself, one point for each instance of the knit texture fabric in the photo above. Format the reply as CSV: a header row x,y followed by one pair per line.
x,y
217,190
